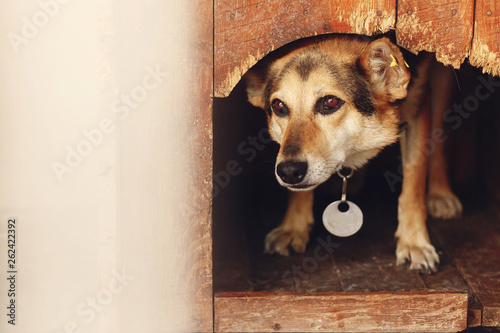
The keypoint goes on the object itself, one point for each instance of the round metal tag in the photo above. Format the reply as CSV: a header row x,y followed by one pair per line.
x,y
342,224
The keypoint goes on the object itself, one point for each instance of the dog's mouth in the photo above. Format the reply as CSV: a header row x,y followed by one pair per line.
x,y
302,187
304,178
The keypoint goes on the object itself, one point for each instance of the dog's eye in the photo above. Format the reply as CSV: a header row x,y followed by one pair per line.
x,y
280,108
329,104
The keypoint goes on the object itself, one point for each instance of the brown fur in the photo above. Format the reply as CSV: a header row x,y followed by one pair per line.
x,y
370,82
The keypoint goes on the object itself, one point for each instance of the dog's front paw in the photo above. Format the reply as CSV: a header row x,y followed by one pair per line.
x,y
281,238
420,255
444,206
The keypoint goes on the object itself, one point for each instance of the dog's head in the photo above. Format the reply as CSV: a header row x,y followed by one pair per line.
x,y
329,105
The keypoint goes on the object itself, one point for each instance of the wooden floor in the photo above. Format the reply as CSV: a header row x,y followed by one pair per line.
x,y
474,245
361,267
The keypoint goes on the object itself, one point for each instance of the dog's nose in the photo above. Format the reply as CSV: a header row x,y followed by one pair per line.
x,y
292,172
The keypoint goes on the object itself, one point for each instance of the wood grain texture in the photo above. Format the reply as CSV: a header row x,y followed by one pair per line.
x,y
450,278
475,246
485,51
247,30
483,279
444,27
323,278
341,312
199,219
475,312
372,267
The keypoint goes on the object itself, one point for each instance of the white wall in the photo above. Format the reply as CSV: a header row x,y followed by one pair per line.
x,y
113,209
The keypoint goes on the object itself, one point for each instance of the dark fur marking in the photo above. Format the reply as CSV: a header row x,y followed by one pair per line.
x,y
361,93
351,79
305,66
291,150
362,97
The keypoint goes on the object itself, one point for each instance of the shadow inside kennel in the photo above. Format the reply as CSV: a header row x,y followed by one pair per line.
x,y
248,203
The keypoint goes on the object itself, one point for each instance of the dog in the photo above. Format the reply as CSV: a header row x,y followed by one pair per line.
x,y
335,102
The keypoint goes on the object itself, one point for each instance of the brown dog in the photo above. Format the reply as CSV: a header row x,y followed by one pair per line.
x,y
337,102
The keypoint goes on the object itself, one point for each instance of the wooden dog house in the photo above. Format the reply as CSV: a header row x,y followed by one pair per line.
x,y
361,295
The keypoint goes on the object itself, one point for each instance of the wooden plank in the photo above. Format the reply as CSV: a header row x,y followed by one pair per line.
x,y
372,267
449,278
198,233
444,27
314,270
269,273
474,243
475,312
485,51
341,312
247,30
484,279
377,274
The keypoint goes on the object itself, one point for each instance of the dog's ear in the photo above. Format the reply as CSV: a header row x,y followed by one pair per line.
x,y
386,68
255,87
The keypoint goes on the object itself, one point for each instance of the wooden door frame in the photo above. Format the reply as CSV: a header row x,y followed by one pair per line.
x,y
242,36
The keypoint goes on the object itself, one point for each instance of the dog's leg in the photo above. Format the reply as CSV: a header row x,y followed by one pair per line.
x,y
441,202
294,230
413,244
